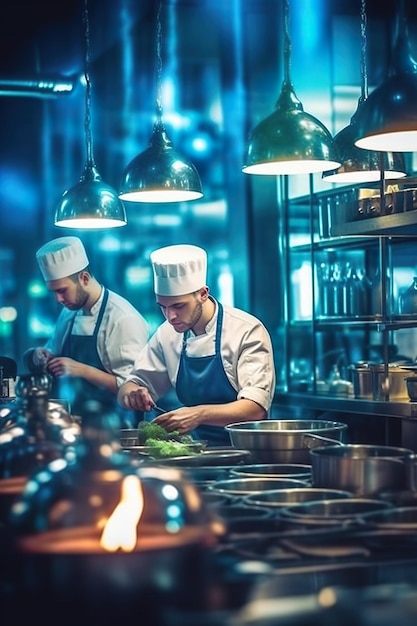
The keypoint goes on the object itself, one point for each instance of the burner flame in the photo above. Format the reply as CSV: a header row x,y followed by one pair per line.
x,y
120,531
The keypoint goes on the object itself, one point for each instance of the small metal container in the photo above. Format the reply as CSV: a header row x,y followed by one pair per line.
x,y
411,382
369,381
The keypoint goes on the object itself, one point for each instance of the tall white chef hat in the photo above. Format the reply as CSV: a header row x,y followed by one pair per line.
x,y
179,269
61,257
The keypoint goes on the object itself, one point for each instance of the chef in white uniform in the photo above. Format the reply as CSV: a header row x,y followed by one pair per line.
x,y
219,359
97,335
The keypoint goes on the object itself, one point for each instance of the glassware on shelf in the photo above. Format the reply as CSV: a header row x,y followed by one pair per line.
x,y
355,293
343,290
408,299
331,286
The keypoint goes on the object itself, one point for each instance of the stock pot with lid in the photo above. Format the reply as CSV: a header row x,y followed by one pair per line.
x,y
369,381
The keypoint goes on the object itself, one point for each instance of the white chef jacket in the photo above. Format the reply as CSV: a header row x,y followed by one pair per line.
x,y
122,333
246,352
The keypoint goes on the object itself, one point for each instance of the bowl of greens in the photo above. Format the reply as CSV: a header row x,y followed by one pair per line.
x,y
153,440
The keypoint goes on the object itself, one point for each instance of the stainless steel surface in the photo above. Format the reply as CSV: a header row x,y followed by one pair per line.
x,y
283,441
394,224
405,408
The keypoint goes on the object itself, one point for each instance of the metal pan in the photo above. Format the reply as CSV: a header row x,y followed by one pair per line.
x,y
207,458
365,470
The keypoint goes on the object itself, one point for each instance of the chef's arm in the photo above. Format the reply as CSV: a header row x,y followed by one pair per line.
x,y
64,366
242,410
36,359
185,419
131,395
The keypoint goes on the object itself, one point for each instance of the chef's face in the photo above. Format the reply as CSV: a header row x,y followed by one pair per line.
x,y
71,291
183,312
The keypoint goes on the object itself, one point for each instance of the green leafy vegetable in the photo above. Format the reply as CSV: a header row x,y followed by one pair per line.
x,y
162,443
161,449
150,430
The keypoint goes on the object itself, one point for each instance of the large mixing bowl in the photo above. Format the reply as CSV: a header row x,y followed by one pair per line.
x,y
284,441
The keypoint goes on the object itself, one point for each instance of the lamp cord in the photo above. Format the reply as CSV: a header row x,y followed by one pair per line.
x,y
287,43
159,66
87,118
364,74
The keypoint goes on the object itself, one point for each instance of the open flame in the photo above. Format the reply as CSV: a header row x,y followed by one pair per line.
x,y
120,531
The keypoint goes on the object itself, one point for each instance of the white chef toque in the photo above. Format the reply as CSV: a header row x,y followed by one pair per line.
x,y
179,269
61,257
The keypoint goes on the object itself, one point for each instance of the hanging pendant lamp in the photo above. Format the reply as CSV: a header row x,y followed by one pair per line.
x,y
388,119
290,141
159,173
91,203
358,165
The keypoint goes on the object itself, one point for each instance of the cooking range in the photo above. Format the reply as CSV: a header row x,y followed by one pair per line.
x,y
326,561
267,572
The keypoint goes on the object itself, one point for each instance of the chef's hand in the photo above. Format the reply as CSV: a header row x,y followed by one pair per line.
x,y
64,366
133,396
182,420
41,358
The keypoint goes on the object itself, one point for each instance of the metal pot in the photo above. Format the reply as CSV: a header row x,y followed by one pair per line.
x,y
283,441
369,381
364,470
411,472
411,382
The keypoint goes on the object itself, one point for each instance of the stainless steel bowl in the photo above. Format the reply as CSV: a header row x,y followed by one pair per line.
x,y
273,470
281,498
330,512
243,486
283,441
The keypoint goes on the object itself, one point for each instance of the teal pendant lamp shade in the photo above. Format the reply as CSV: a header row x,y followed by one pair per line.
x,y
289,141
363,166
358,165
159,173
91,203
388,119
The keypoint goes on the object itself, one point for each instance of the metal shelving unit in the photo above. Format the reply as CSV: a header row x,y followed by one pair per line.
x,y
314,340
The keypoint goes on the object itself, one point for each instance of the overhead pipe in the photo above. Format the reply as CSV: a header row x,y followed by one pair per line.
x,y
40,87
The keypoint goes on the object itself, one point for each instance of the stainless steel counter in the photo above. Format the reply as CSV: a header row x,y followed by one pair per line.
x,y
387,422
404,409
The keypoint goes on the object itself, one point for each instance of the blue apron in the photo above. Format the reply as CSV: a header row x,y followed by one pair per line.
x,y
83,348
202,380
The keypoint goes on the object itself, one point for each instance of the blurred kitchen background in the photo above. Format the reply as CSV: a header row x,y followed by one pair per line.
x,y
222,67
